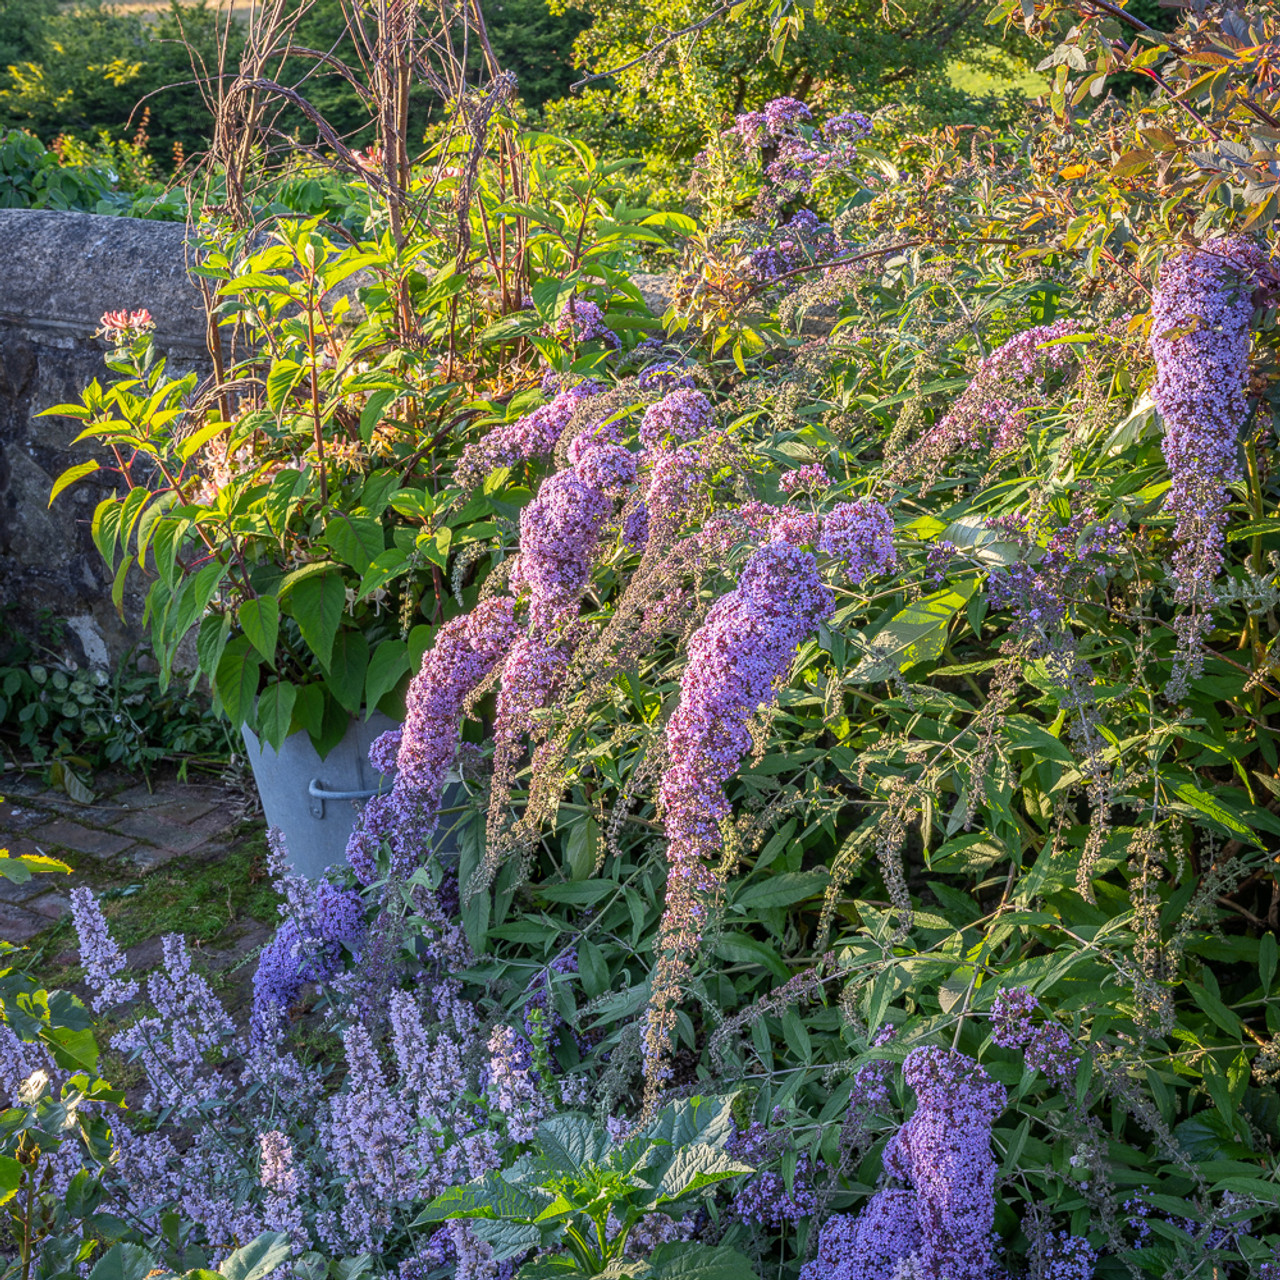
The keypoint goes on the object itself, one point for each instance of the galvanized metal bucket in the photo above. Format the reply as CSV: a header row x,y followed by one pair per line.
x,y
314,802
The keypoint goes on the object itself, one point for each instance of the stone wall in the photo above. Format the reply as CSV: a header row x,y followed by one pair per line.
x,y
58,273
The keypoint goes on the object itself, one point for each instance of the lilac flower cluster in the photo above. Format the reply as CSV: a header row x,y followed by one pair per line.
x,y
1062,1256
848,126
989,419
664,376
810,479
683,414
1038,595
859,535
800,152
279,1177
735,660
171,1045
944,1152
512,1087
465,651
607,467
584,321
671,495
559,531
308,947
803,241
941,1223
796,528
533,436
765,1197
872,1244
1046,1046
1200,340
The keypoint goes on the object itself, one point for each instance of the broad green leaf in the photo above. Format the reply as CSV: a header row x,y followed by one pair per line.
x,y
1267,954
275,712
781,890
509,1239
10,1178
347,669
739,948
123,1262
70,476
388,665
697,1165
284,376
1212,808
676,1260
315,597
582,848
569,1142
916,634
105,528
490,1197
355,540
259,1257
192,444
384,566
592,968
236,680
260,620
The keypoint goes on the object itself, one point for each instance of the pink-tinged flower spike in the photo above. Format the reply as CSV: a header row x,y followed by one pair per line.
x,y
559,533
810,479
1200,341
736,659
989,418
99,954
533,436
465,652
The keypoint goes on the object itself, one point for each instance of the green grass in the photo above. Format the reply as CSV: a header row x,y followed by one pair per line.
x,y
202,900
976,80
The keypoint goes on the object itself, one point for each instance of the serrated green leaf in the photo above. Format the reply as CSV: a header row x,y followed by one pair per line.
x,y
314,596
387,667
275,712
348,666
259,619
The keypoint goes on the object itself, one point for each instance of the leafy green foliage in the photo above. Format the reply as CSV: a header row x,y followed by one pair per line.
x,y
584,1193
74,719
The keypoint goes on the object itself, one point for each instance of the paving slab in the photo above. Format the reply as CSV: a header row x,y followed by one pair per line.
x,y
19,926
71,835
52,906
152,826
19,846
13,892
20,816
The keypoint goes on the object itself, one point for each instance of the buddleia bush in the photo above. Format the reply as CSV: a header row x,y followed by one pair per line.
x,y
865,715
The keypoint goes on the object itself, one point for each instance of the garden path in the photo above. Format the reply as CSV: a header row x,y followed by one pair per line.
x,y
180,856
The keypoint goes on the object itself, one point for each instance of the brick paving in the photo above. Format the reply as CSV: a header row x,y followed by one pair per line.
x,y
128,830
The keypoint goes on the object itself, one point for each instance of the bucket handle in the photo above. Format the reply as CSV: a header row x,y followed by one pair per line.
x,y
320,794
